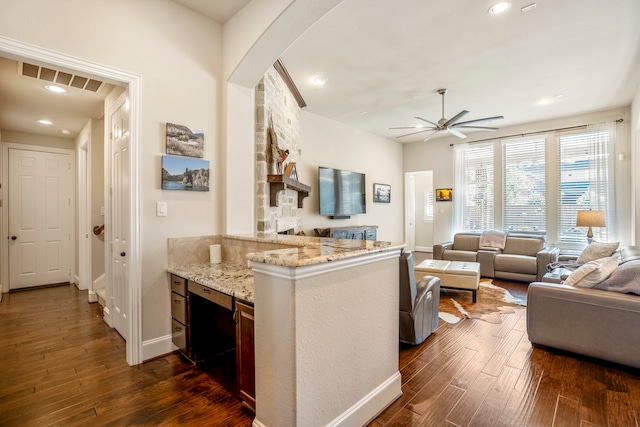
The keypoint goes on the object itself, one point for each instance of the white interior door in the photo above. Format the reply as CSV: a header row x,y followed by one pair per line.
x,y
119,215
39,218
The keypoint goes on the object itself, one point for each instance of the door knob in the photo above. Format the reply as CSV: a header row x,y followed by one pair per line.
x,y
14,237
123,253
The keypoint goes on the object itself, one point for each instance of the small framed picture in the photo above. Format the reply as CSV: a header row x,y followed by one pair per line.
x,y
185,173
444,194
381,193
184,141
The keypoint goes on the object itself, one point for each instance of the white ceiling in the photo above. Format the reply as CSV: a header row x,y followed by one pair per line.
x,y
385,60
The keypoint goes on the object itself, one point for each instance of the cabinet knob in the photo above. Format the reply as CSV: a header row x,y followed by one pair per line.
x,y
14,237
123,253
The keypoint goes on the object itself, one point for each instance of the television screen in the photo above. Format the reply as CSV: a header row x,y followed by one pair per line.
x,y
341,192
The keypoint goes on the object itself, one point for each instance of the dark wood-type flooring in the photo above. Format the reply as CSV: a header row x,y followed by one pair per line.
x,y
61,365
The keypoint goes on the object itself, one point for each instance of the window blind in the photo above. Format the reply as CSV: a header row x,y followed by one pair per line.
x,y
524,185
428,205
473,194
584,170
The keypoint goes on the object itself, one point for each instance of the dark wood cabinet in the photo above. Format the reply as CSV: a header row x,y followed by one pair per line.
x,y
206,323
364,232
245,354
179,331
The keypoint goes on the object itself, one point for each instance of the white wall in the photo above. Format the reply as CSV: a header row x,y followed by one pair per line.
x,y
329,143
437,155
178,55
635,161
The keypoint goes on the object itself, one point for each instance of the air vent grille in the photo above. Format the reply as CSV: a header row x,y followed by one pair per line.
x,y
60,77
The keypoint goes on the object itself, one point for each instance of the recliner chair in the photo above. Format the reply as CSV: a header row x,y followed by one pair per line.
x,y
418,303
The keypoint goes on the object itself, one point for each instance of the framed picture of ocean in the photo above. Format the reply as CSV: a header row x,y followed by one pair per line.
x,y
185,173
184,141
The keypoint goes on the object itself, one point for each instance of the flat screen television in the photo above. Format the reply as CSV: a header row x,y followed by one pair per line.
x,y
341,192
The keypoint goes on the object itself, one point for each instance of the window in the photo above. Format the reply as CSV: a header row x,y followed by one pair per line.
x,y
428,206
473,196
584,170
544,181
524,185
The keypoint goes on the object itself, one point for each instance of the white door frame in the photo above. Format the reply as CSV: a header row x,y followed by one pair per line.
x,y
84,215
19,51
410,211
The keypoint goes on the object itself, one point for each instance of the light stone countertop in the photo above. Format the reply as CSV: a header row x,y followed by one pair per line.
x,y
237,279
312,250
232,279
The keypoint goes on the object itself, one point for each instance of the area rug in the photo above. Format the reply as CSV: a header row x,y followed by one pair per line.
x,y
492,302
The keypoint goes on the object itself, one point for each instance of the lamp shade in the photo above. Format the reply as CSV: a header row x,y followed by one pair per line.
x,y
590,219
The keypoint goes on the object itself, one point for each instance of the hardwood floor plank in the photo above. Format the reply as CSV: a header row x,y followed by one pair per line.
x,y
491,408
440,407
463,412
567,412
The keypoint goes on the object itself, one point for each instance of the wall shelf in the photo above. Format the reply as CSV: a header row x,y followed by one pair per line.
x,y
277,183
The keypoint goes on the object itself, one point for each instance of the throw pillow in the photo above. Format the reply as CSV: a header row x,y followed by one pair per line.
x,y
624,279
592,273
597,250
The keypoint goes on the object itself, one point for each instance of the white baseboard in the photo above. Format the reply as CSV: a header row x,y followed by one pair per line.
x,y
93,297
157,347
424,249
372,404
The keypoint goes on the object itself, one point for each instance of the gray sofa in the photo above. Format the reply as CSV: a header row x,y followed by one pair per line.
x,y
589,321
524,257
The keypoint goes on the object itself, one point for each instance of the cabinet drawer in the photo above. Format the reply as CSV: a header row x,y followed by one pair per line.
x,y
212,295
179,335
179,285
370,234
179,308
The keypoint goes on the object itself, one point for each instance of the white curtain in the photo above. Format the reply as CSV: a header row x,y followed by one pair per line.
x,y
602,175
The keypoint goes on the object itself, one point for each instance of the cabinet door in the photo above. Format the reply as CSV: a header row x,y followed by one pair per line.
x,y
357,235
245,354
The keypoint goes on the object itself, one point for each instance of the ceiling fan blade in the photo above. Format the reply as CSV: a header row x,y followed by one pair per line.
x,y
486,119
413,133
476,127
456,133
430,135
410,127
428,121
455,118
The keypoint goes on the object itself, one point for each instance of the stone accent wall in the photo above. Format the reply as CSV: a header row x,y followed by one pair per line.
x,y
273,98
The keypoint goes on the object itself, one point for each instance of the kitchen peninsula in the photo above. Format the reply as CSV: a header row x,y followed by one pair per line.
x,y
326,321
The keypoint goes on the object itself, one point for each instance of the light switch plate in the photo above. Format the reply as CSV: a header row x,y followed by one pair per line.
x,y
161,208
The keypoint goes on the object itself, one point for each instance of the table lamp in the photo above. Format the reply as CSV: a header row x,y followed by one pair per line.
x,y
590,219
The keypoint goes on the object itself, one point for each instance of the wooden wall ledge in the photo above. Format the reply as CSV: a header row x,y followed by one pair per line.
x,y
278,183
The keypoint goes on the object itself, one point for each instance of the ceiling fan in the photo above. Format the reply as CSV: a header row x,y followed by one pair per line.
x,y
451,125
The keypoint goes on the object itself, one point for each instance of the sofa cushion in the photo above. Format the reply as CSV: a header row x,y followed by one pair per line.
x,y
625,279
454,255
516,263
466,242
528,246
592,273
597,250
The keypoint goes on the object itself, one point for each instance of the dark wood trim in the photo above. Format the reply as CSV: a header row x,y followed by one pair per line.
x,y
280,68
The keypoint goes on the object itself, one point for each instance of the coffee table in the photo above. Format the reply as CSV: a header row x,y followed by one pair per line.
x,y
453,274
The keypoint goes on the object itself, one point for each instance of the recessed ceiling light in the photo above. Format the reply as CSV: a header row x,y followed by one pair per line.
x,y
55,89
499,8
319,81
544,101
45,122
66,131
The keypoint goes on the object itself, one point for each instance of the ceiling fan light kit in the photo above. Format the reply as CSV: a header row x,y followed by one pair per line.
x,y
451,125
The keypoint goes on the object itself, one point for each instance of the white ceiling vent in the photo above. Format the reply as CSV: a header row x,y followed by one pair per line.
x,y
58,77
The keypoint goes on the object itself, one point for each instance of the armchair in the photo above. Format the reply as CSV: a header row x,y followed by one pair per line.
x,y
418,303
